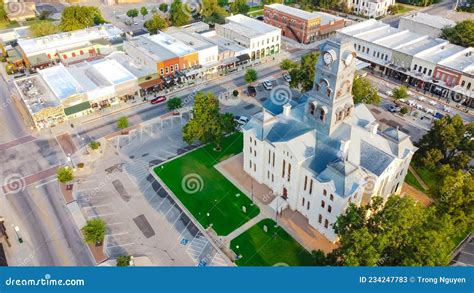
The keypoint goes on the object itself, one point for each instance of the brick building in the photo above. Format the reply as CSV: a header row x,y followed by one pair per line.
x,y
300,25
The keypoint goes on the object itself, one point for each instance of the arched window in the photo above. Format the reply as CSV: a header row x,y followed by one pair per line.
x,y
317,86
322,115
328,92
468,86
312,108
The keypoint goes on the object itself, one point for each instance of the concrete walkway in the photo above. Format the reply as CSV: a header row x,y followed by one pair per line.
x,y
418,178
244,227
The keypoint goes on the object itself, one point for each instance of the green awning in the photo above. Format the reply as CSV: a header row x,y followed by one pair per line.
x,y
77,108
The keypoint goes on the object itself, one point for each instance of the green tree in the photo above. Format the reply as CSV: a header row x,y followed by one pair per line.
x,y
403,110
212,12
123,260
364,92
461,34
64,174
250,76
80,17
122,123
288,64
174,103
45,14
177,15
453,140
228,123
207,124
94,145
143,11
155,24
94,231
132,13
43,28
302,76
239,7
235,93
399,233
163,7
400,93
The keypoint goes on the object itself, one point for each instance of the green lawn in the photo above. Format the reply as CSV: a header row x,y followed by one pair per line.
x,y
213,193
428,176
274,247
404,8
410,179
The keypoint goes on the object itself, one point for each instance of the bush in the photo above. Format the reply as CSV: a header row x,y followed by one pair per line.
x,y
174,103
122,123
80,165
94,231
404,110
94,145
235,93
163,7
123,261
64,174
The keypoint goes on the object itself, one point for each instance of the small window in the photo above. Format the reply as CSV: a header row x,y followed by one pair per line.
x,y
325,192
329,208
81,52
307,205
320,218
326,223
331,197
323,204
302,203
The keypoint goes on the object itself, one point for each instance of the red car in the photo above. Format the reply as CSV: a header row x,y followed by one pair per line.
x,y
158,100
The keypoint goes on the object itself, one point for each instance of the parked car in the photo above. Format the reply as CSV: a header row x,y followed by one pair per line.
x,y
429,111
252,90
438,115
394,108
286,77
389,93
267,85
420,107
411,103
421,98
158,100
241,120
447,109
402,101
432,103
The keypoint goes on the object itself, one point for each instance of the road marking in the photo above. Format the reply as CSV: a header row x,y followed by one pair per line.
x,y
47,182
117,234
97,206
101,215
120,245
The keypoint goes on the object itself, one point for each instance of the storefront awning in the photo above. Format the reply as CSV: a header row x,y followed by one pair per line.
x,y
243,58
77,108
151,83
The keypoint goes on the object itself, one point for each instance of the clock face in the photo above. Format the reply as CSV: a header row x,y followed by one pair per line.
x,y
327,58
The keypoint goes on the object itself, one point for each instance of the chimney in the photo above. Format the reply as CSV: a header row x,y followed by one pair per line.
x,y
373,127
286,109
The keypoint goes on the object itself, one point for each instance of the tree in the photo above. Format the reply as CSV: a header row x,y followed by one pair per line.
x,y
174,103
45,14
453,141
132,13
400,93
123,260
329,4
288,64
250,76
177,15
43,28
207,124
143,11
163,7
302,76
212,12
80,17
403,110
239,7
461,34
155,24
94,145
122,123
64,174
228,123
399,233
393,9
235,93
364,92
94,231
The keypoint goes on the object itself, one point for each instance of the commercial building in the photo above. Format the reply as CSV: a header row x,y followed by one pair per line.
x,y
430,64
58,93
323,153
71,47
425,24
260,38
300,25
370,8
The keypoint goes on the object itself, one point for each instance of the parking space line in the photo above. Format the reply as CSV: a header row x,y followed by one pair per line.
x,y
101,215
120,245
117,234
96,206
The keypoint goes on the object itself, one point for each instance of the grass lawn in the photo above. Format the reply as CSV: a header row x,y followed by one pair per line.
x,y
274,247
410,179
428,176
207,190
404,8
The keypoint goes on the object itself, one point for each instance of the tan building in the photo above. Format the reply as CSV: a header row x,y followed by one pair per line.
x,y
300,25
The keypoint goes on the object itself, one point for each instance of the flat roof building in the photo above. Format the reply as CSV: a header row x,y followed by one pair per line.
x,y
425,24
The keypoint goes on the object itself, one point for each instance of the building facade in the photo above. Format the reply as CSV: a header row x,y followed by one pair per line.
x,y
425,24
370,8
323,153
259,38
300,25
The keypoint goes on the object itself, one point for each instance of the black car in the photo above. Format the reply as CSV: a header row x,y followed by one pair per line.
x,y
252,90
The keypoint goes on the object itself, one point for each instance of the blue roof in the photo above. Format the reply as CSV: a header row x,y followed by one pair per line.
x,y
373,159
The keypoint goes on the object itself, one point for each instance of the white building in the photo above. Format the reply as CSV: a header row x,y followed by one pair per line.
x,y
321,154
425,24
260,38
370,8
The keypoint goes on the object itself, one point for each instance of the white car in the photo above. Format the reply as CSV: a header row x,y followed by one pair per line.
x,y
267,85
411,103
421,98
241,120
432,103
286,77
447,109
389,93
429,111
403,101
420,107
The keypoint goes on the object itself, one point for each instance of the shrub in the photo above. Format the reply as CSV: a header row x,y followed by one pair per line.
x,y
94,145
123,260
94,231
64,174
80,165
235,93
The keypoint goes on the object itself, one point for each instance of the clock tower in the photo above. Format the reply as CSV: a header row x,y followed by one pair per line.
x,y
330,102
